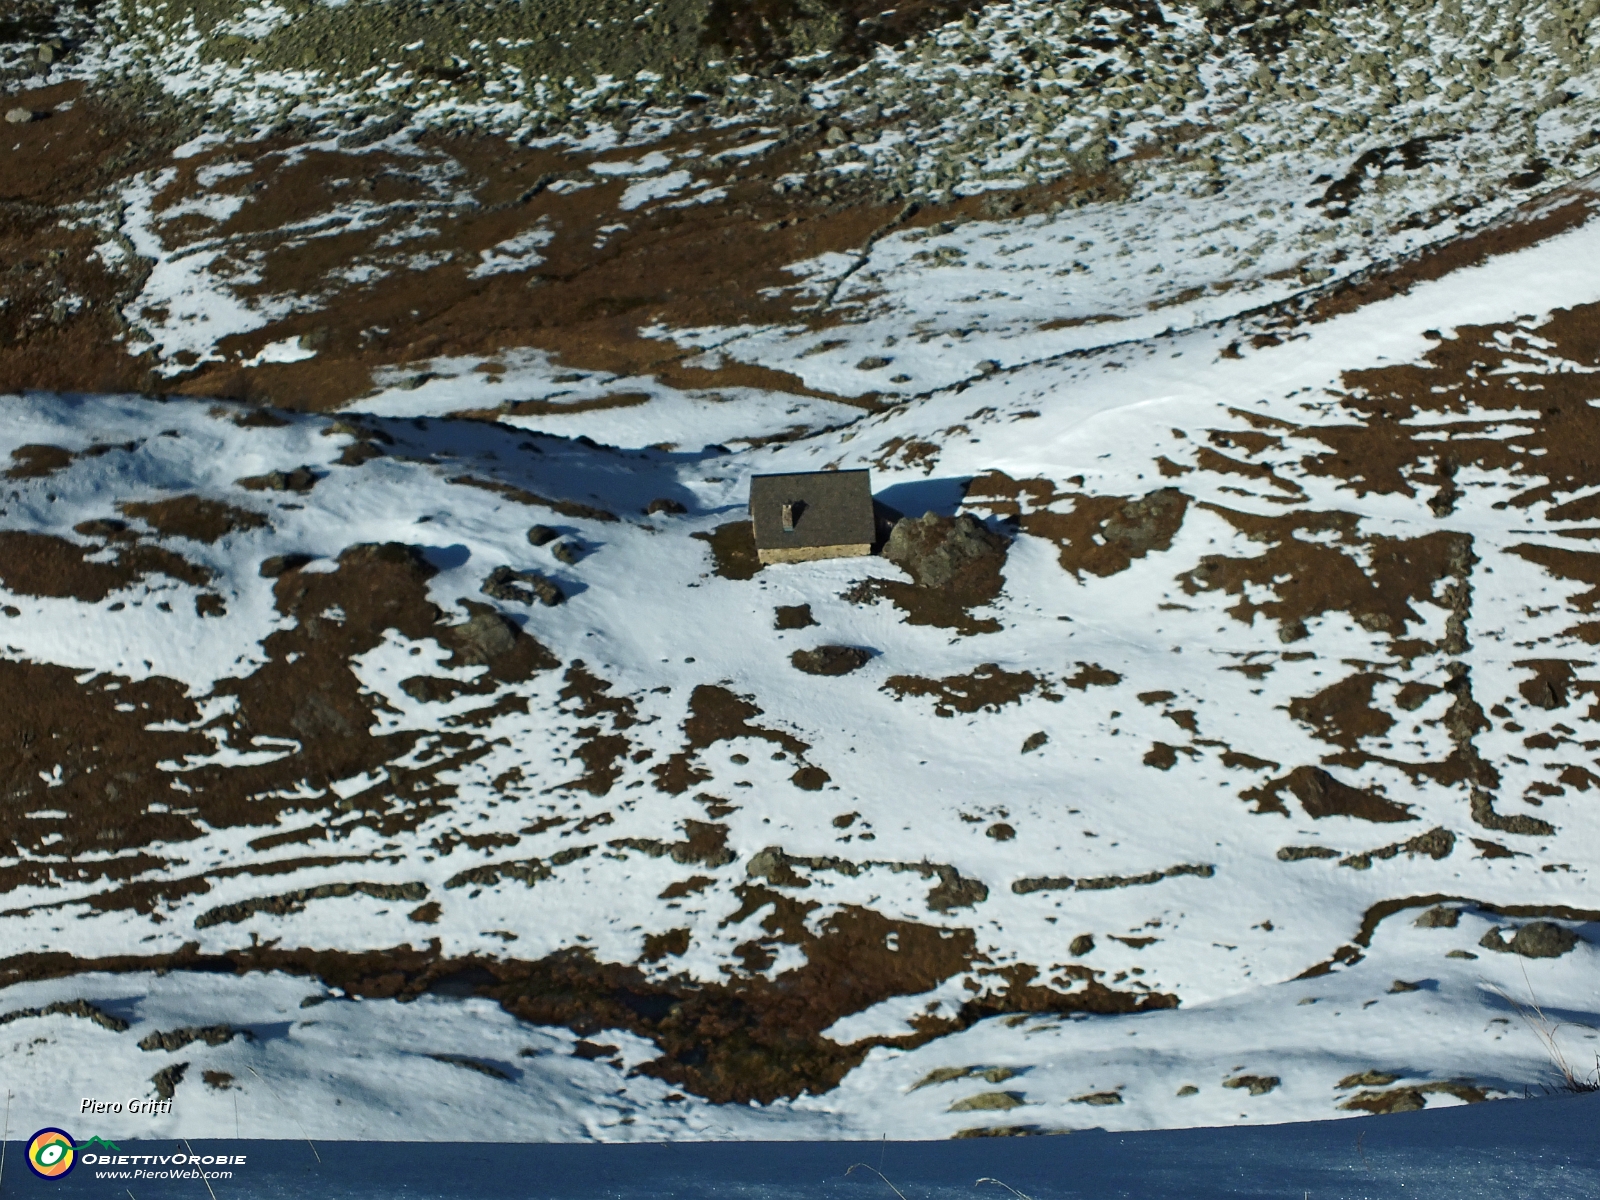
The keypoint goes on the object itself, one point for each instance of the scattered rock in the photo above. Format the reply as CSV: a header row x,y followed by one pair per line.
x,y
567,552
1001,832
1538,939
989,1131
1299,853
167,1080
933,548
1081,945
282,564
1460,954
659,505
1400,985
1440,916
484,638
301,479
425,914
988,1102
830,660
1258,1085
19,116
522,587
1099,1098
1396,1101
211,1035
1188,1089
1034,740
540,534
71,1008
1365,1079
875,362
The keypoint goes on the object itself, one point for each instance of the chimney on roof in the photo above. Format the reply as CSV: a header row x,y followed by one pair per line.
x,y
788,518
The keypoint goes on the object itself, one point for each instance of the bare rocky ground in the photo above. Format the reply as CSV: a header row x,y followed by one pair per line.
x,y
330,209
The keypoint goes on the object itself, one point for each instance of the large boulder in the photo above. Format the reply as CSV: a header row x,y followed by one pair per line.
x,y
1537,939
830,660
934,549
523,587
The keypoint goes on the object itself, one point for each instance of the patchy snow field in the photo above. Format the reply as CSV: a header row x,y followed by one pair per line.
x,y
412,740
1284,660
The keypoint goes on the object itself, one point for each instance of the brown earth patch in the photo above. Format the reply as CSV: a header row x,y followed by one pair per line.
x,y
588,696
192,517
719,263
1417,425
733,549
1101,535
986,687
60,324
659,945
105,762
1309,578
793,616
36,462
1343,713
678,889
749,1038
1090,675
717,715
176,1039
1321,795
37,564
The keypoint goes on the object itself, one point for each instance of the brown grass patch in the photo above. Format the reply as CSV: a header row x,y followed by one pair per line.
x,y
192,517
986,687
1321,795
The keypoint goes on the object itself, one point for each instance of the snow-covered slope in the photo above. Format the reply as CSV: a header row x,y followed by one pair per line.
x,y
412,738
1285,656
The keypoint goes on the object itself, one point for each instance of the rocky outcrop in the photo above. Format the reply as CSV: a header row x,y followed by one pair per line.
x,y
934,549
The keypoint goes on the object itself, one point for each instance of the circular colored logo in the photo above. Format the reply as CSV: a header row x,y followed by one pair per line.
x,y
50,1153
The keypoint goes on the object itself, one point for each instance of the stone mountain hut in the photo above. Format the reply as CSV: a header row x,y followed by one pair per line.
x,y
811,515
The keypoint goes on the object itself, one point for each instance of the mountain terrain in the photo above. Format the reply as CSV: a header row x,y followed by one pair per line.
x,y
403,740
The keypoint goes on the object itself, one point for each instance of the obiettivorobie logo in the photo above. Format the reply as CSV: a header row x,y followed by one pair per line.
x,y
52,1154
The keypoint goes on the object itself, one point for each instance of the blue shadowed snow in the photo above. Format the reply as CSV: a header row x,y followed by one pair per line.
x,y
1548,1148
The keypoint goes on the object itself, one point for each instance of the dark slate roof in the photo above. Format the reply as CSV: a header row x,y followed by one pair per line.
x,y
831,508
